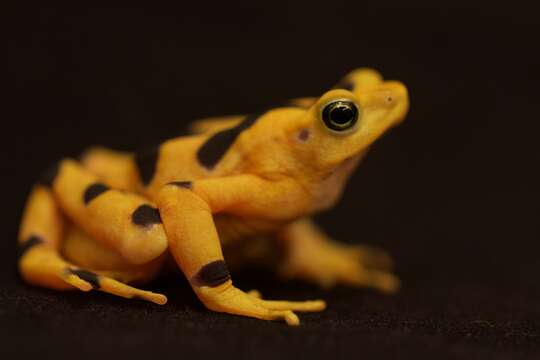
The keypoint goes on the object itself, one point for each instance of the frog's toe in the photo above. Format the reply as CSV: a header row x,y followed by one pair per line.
x,y
301,306
229,299
372,257
380,280
86,280
71,277
255,293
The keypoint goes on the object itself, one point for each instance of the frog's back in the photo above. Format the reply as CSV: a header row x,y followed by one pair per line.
x,y
150,168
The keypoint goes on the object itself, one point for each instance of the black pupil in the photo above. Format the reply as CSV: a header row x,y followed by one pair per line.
x,y
341,114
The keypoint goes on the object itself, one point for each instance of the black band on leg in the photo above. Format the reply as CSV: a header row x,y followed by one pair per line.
x,y
94,191
87,276
30,242
212,274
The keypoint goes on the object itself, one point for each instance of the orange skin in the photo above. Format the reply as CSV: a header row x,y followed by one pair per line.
x,y
113,218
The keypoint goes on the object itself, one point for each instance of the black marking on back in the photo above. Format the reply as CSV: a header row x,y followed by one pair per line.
x,y
146,161
346,84
146,215
30,242
212,274
48,176
218,144
87,276
183,184
94,191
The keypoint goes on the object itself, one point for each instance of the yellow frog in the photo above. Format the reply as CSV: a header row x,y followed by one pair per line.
x,y
112,218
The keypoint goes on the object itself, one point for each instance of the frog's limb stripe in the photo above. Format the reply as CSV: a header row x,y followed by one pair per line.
x,y
85,275
27,244
212,274
109,285
194,243
146,215
219,143
94,191
146,161
108,217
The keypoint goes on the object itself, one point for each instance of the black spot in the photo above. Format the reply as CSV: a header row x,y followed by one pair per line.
x,y
346,84
32,241
94,191
86,275
145,215
146,161
218,144
48,176
212,274
184,184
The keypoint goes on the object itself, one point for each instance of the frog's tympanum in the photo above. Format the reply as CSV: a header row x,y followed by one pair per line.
x,y
236,185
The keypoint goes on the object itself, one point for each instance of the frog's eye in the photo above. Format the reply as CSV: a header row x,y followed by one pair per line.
x,y
340,115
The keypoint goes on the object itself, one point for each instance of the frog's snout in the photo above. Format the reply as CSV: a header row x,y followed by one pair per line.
x,y
396,96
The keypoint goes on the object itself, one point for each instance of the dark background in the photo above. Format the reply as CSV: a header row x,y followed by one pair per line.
x,y
452,193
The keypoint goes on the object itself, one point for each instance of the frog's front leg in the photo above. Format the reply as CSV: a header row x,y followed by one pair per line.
x,y
187,211
313,256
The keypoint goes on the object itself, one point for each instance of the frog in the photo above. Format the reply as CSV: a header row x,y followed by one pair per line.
x,y
113,221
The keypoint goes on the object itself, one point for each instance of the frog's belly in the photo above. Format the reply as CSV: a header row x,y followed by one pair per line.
x,y
248,242
233,229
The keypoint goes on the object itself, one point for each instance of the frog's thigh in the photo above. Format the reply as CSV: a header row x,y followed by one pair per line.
x,y
124,221
83,250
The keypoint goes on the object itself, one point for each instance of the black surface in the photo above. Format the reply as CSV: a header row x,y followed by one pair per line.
x,y
452,193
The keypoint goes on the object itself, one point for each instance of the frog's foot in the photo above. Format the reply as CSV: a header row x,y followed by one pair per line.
x,y
226,298
329,264
86,280
44,266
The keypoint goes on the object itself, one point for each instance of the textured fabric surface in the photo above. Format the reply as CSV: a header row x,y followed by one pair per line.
x,y
456,183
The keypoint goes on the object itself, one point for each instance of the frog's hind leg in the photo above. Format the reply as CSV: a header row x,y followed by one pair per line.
x,y
41,263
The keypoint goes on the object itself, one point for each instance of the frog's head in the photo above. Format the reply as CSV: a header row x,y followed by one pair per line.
x,y
339,127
